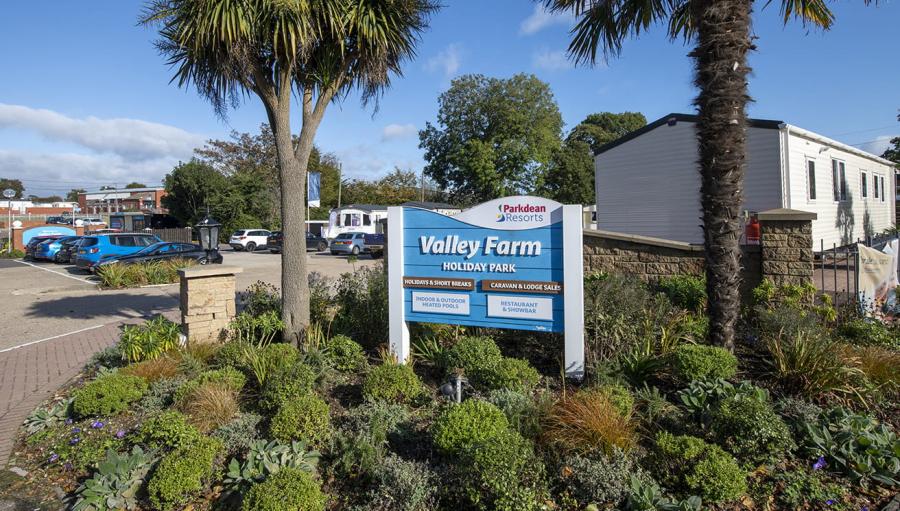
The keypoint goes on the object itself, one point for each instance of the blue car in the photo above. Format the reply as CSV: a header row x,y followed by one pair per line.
x,y
94,248
348,243
48,250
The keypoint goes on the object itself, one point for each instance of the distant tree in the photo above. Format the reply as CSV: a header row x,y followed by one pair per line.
x,y
601,128
135,185
48,198
893,152
72,196
570,175
193,186
312,53
13,184
393,189
494,137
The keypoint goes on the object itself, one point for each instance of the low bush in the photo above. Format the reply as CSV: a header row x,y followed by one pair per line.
x,y
468,423
116,482
361,301
209,405
690,466
257,329
261,298
698,362
804,488
392,382
503,474
751,430
344,353
471,354
619,396
646,495
401,485
857,445
701,398
286,383
797,413
117,276
303,418
280,355
264,459
240,433
522,411
182,474
599,478
160,396
169,429
869,332
654,412
377,417
508,373
288,489
685,291
228,378
149,340
231,354
588,421
109,394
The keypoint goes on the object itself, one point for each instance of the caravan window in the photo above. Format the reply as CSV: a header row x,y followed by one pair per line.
x,y
810,180
366,220
864,185
839,180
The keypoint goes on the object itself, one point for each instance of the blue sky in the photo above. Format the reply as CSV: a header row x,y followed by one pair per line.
x,y
85,99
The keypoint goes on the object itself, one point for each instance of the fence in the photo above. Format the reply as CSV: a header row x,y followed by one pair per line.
x,y
836,268
176,235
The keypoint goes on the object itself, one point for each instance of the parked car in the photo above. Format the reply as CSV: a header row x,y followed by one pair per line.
x,y
67,250
348,243
162,251
93,221
313,242
94,247
32,244
374,245
55,220
249,239
48,250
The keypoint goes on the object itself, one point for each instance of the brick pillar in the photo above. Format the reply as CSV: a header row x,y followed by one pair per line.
x,y
207,301
787,246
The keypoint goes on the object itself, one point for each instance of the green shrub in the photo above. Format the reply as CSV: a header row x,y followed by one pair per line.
x,y
259,330
362,306
508,373
690,466
116,482
286,384
646,495
160,396
169,429
260,298
698,362
471,354
280,354
869,332
379,418
240,433
357,455
392,382
620,397
401,485
149,340
290,488
503,474
82,445
182,474
751,430
701,398
685,291
302,418
797,413
344,353
804,488
227,377
264,459
523,413
468,423
109,394
231,354
600,478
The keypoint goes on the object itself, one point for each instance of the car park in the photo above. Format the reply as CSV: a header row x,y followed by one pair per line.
x,y
249,239
67,249
47,250
313,242
348,243
94,247
163,251
32,244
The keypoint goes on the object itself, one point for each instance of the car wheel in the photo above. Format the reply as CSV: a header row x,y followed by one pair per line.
x,y
355,251
251,247
322,246
272,250
203,260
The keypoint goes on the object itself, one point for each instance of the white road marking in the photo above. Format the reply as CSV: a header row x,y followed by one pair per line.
x,y
51,338
79,279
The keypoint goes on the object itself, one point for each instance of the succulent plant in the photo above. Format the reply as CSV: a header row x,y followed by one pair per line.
x,y
42,418
116,482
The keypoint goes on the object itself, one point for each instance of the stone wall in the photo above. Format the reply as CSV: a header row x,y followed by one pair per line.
x,y
786,239
645,257
207,301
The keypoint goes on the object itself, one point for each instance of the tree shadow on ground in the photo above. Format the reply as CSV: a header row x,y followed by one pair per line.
x,y
105,304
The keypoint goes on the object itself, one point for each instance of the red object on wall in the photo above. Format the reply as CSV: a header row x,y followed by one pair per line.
x,y
752,232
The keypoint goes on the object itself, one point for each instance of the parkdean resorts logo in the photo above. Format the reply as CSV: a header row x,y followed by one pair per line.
x,y
520,213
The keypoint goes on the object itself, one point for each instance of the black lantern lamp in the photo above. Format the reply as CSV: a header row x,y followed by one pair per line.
x,y
208,229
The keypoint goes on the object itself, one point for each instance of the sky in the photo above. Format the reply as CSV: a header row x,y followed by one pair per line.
x,y
85,99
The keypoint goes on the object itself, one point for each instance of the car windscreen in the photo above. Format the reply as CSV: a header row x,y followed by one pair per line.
x,y
344,236
238,233
150,249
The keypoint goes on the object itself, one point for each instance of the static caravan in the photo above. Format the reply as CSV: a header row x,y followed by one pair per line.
x,y
648,183
354,218
438,207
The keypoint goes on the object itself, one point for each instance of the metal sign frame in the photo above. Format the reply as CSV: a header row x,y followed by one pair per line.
x,y
513,263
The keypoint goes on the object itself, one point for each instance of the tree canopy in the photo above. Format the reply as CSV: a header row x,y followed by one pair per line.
x,y
602,128
493,137
135,184
72,195
13,184
893,152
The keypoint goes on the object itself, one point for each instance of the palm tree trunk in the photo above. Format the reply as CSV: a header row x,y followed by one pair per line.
x,y
723,41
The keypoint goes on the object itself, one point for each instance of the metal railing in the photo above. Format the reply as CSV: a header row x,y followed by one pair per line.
x,y
835,268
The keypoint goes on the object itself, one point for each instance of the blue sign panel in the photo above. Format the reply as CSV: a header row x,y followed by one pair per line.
x,y
46,231
494,260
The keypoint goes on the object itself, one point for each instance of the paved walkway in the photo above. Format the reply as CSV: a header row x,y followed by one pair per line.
x,y
32,373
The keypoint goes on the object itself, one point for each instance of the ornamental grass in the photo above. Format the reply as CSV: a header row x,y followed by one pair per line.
x,y
209,406
588,421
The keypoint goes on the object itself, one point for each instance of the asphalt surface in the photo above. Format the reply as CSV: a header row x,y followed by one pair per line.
x,y
41,300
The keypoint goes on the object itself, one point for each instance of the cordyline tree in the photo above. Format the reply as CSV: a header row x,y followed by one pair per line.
x,y
314,51
720,31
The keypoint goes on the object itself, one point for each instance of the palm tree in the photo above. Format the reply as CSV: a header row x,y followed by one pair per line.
x,y
720,30
311,51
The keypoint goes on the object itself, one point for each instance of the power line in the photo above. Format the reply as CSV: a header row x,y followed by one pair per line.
x,y
865,130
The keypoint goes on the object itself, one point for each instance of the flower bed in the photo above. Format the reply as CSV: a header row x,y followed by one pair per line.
x,y
799,418
118,276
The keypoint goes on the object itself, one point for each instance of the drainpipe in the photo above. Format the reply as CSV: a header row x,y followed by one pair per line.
x,y
785,131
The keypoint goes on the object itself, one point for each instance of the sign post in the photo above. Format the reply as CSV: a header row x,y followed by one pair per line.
x,y
513,263
9,193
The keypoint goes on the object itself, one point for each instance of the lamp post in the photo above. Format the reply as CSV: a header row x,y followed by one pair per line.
x,y
208,229
9,193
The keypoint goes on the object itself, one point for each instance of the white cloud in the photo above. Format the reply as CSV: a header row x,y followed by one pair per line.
x,y
879,145
541,19
131,138
364,161
551,60
398,131
446,61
